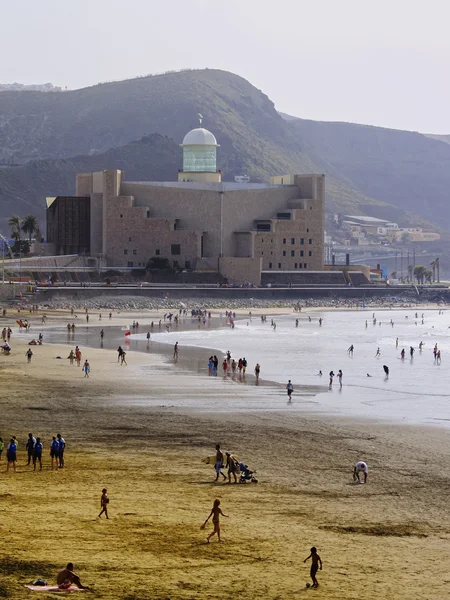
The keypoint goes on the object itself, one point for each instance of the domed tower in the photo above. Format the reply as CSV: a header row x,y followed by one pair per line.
x,y
199,156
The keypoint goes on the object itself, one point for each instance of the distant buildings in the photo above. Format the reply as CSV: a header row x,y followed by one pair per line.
x,y
363,230
199,223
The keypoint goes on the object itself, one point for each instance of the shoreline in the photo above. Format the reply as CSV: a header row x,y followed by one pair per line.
x,y
149,458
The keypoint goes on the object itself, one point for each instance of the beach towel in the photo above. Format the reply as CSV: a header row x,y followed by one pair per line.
x,y
52,588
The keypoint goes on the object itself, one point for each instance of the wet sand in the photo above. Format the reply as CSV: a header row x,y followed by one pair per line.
x,y
389,538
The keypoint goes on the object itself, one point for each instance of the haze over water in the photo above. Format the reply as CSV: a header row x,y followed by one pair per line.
x,y
417,391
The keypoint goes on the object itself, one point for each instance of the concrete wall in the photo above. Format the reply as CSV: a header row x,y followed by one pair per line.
x,y
241,270
96,223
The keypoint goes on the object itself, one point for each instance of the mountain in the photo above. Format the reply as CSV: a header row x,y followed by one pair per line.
x,y
403,168
254,139
35,87
23,188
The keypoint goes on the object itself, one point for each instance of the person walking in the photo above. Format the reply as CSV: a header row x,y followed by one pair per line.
x,y
290,389
123,358
257,372
104,501
119,353
218,465
215,513
87,368
29,354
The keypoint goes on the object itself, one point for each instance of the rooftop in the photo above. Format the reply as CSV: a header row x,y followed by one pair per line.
x,y
225,186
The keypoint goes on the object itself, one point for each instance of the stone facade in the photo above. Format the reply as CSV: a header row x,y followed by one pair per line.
x,y
237,229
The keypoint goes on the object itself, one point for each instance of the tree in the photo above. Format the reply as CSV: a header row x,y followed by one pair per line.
x,y
14,223
428,275
30,225
394,275
419,273
410,274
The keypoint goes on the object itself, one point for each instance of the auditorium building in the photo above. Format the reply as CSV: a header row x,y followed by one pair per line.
x,y
199,223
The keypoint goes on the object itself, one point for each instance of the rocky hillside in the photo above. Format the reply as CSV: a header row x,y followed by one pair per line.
x,y
23,188
254,139
405,169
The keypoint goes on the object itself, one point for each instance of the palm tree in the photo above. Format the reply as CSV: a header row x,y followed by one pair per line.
x,y
437,268
410,274
419,274
433,266
14,223
428,275
30,225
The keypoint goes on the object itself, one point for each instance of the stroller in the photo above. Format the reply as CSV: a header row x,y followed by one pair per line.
x,y
246,474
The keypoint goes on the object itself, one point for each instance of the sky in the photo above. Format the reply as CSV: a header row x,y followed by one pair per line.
x,y
382,63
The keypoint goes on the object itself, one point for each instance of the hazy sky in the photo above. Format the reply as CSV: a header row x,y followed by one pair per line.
x,y
383,62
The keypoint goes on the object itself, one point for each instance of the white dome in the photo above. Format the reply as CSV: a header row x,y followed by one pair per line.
x,y
199,137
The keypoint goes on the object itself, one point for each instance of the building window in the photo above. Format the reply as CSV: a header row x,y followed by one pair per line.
x,y
130,263
121,216
262,253
270,265
148,214
175,249
187,264
125,251
271,254
262,240
292,252
279,265
310,253
292,240
299,265
284,252
307,231
157,252
302,241
295,265
305,266
129,239
175,264
271,241
301,253
284,240
310,241
134,251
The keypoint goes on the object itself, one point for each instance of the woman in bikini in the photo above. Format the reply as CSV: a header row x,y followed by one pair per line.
x,y
215,513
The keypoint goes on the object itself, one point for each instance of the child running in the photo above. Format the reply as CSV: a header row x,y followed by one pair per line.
x,y
316,561
215,513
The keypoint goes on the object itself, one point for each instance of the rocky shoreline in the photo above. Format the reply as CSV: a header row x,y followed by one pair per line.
x,y
139,303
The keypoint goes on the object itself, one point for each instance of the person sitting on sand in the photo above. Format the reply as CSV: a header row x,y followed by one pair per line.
x,y
360,466
104,501
67,577
316,561
215,513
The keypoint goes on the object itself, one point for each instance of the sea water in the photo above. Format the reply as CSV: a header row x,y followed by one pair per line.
x,y
417,390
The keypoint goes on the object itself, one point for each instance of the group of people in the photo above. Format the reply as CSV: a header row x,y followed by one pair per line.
x,y
230,365
34,448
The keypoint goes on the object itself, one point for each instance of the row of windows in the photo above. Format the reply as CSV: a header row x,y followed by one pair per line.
x,y
300,253
175,250
284,239
301,241
296,265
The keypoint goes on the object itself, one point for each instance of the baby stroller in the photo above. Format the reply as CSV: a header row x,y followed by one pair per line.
x,y
246,474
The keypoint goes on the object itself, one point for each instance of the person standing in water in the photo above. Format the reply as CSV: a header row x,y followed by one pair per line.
x,y
257,372
316,561
331,379
340,374
290,389
175,351
350,350
378,353
215,513
396,343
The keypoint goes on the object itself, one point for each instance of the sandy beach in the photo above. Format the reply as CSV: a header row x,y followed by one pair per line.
x,y
389,538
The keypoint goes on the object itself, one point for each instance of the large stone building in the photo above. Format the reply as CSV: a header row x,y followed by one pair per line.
x,y
199,222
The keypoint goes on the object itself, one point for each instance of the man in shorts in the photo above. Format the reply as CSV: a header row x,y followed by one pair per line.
x,y
62,447
290,389
219,463
360,467
67,577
